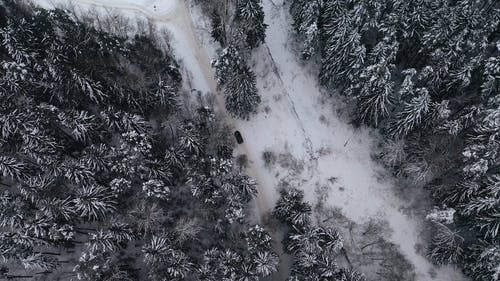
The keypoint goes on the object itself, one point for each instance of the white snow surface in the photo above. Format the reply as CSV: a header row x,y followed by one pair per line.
x,y
299,120
156,9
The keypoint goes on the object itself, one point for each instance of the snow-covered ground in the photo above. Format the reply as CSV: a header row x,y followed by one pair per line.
x,y
313,145
160,10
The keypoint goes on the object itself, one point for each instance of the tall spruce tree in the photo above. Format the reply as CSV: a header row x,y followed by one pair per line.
x,y
306,16
242,98
250,18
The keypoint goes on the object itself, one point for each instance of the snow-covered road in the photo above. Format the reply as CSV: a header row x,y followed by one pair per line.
x,y
314,147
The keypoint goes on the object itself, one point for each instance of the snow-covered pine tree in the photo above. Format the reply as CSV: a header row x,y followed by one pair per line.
x,y
101,242
78,124
411,114
190,142
491,80
147,217
264,260
218,28
481,153
165,94
220,264
291,209
306,15
174,157
176,266
13,168
483,262
351,275
250,17
314,249
457,40
224,65
342,53
92,267
94,202
242,98
375,89
39,262
367,15
446,246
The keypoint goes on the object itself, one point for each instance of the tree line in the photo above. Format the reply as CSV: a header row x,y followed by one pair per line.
x,y
238,27
106,173
427,75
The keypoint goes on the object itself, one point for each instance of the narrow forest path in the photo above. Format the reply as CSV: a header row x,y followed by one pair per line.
x,y
306,135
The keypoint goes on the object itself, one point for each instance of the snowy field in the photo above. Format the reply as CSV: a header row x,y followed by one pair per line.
x,y
312,147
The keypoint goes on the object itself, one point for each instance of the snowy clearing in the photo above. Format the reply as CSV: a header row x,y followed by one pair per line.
x,y
314,146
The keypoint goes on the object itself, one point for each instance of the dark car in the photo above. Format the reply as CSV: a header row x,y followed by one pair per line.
x,y
238,137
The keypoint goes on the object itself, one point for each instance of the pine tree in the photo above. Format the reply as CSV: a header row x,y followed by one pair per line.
x,y
39,262
220,265
262,256
241,94
351,275
250,17
190,142
89,87
224,65
483,263
306,15
314,250
156,250
290,208
12,167
164,94
94,202
78,124
481,154
411,114
446,246
92,267
368,14
242,185
375,96
14,210
176,267
238,83
175,158
342,54
218,28
101,242
491,84
76,172
147,217
374,88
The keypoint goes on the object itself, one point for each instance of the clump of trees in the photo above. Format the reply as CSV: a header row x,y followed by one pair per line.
x,y
427,74
314,249
238,26
104,173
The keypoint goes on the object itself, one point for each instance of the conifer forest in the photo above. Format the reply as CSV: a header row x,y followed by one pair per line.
x,y
247,140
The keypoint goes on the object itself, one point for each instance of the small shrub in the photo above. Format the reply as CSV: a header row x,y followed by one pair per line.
x,y
269,158
242,161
